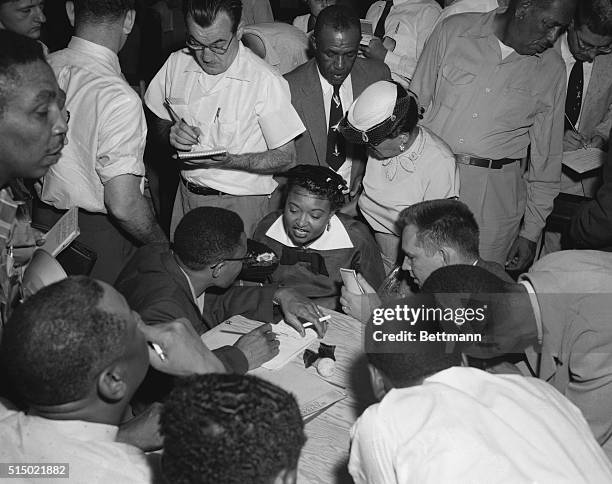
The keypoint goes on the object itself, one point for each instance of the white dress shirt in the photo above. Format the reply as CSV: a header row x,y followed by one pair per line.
x,y
107,132
409,24
88,448
466,6
464,425
246,109
346,98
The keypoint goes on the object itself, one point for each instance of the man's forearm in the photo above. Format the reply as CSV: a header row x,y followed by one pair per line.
x,y
266,163
140,222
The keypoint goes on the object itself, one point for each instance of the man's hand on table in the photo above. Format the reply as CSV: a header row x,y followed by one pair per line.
x,y
259,345
184,352
294,306
142,431
360,306
521,254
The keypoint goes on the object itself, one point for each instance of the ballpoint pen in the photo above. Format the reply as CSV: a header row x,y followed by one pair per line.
x,y
576,131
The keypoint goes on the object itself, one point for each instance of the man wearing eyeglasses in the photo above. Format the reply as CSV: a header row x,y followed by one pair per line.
x,y
217,94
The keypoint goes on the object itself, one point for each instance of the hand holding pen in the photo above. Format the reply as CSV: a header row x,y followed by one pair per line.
x,y
182,136
573,137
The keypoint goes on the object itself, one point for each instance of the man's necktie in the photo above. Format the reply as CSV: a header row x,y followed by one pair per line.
x,y
573,102
379,31
336,153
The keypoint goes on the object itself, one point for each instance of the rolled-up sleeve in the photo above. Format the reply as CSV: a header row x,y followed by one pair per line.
x,y
278,120
544,172
122,140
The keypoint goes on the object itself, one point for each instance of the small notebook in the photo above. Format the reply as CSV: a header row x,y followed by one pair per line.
x,y
65,230
584,160
291,343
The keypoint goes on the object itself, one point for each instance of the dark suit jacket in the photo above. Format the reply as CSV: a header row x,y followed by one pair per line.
x,y
157,289
307,99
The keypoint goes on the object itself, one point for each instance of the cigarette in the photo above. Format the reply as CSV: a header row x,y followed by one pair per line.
x,y
158,351
325,318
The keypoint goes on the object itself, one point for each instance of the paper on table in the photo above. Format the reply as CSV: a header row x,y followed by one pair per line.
x,y
291,343
65,230
583,160
312,393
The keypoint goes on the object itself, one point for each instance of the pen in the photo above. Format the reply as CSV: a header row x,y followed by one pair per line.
x,y
173,112
158,351
232,332
575,130
308,324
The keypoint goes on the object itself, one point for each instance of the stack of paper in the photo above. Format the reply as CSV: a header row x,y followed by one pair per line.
x,y
291,343
584,160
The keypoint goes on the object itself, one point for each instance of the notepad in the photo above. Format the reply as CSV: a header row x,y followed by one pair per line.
x,y
291,343
65,230
584,160
312,393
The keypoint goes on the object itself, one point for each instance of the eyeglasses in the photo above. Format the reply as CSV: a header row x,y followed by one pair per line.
x,y
586,47
197,46
246,258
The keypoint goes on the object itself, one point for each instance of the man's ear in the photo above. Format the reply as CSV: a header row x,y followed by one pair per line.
x,y
217,270
286,476
111,383
378,382
70,11
449,256
240,30
313,42
128,21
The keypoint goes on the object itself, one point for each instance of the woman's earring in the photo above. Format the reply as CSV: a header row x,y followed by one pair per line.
x,y
402,146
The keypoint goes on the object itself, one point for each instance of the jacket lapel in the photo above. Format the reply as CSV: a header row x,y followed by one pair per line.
x,y
312,107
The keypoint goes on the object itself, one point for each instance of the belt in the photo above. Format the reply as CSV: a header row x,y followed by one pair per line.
x,y
484,162
199,189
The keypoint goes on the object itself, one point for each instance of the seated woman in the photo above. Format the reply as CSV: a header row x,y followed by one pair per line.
x,y
407,163
313,241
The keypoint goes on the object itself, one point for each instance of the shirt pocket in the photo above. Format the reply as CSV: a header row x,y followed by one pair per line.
x,y
516,106
454,83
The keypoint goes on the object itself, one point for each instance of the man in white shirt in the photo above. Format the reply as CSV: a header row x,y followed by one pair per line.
x,y
438,422
101,170
560,309
464,6
401,28
75,353
217,94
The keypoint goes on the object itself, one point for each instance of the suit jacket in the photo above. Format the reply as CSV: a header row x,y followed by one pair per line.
x,y
155,287
596,117
307,99
573,292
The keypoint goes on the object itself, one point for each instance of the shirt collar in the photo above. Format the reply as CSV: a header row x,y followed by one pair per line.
x,y
98,51
78,429
335,238
328,89
239,69
484,27
193,294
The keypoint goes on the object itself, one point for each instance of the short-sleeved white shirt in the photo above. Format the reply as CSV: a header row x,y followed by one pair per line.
x,y
107,131
246,109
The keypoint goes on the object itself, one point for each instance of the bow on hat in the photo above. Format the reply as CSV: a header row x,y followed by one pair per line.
x,y
291,256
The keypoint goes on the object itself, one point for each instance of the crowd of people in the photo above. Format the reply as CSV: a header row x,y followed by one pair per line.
x,y
426,156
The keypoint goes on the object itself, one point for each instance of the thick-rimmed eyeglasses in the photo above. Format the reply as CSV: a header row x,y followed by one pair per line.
x,y
234,259
215,49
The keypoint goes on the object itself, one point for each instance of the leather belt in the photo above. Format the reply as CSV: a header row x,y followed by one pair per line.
x,y
199,189
484,162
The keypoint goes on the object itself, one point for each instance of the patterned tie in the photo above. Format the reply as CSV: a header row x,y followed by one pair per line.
x,y
379,31
336,153
573,102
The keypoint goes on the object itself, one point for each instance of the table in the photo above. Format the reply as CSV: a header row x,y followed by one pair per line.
x,y
324,458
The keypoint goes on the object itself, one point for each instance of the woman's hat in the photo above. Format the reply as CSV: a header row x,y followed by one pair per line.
x,y
376,113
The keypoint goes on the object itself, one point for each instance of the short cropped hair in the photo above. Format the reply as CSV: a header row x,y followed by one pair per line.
x,y
207,234
596,15
321,181
443,223
57,341
230,429
15,50
205,12
97,11
338,17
